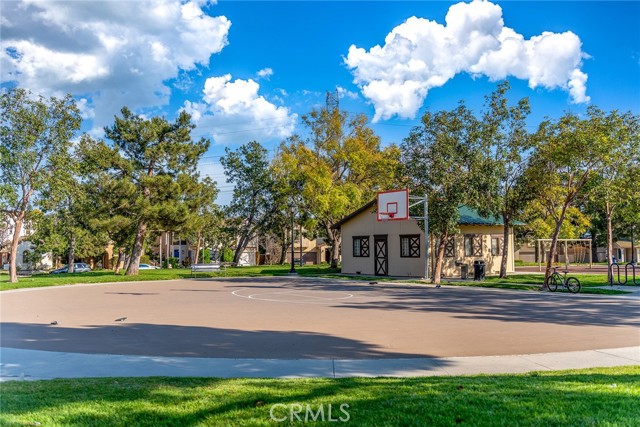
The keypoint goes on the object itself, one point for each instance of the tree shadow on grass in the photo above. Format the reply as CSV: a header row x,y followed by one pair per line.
x,y
549,399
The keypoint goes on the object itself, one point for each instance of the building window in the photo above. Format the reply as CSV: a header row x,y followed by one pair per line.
x,y
361,246
472,245
496,246
450,247
410,246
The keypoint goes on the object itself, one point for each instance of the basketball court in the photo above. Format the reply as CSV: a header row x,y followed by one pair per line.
x,y
298,318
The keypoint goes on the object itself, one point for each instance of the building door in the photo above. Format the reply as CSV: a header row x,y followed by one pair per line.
x,y
381,258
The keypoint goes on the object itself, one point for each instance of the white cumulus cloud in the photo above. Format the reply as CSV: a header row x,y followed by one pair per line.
x,y
420,54
109,53
265,73
234,111
342,93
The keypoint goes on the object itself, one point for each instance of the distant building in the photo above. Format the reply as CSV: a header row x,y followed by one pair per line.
x,y
622,250
25,249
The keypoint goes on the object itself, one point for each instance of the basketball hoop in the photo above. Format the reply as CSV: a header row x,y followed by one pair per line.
x,y
385,216
393,205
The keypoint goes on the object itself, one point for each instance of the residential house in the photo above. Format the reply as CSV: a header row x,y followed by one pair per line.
x,y
25,248
623,250
309,250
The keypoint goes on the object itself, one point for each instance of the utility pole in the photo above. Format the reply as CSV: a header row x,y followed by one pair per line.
x,y
332,101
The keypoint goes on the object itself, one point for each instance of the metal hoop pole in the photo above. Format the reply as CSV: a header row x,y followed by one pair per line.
x,y
426,237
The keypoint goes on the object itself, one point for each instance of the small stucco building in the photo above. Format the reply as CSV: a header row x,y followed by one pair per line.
x,y
397,248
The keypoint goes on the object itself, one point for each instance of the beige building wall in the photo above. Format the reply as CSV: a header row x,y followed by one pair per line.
x,y
366,224
492,263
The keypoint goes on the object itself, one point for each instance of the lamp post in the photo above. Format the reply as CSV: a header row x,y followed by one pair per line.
x,y
293,268
633,250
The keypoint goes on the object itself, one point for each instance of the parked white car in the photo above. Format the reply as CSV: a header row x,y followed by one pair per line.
x,y
147,267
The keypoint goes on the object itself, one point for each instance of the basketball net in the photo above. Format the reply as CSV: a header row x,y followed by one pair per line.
x,y
386,216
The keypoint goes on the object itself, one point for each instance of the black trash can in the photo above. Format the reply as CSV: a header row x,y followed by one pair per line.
x,y
478,270
464,271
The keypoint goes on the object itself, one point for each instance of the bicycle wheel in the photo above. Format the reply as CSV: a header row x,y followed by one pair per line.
x,y
552,282
573,285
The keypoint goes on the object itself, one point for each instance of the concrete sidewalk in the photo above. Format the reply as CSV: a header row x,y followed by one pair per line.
x,y
18,364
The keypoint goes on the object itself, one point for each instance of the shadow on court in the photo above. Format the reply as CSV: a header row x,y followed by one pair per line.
x,y
187,341
477,303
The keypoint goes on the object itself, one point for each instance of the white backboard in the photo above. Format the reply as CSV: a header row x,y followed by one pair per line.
x,y
393,205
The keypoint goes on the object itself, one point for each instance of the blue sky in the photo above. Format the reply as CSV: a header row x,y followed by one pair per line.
x,y
249,70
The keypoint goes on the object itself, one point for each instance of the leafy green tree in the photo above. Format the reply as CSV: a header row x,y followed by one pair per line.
x,y
150,165
626,219
505,142
613,186
340,166
253,203
441,159
69,208
569,151
203,214
35,137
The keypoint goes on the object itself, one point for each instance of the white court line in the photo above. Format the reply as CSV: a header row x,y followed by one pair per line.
x,y
256,297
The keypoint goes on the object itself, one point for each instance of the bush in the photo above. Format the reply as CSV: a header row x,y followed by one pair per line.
x,y
145,259
227,255
173,261
207,256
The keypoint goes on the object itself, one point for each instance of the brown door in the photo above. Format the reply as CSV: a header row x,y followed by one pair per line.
x,y
381,258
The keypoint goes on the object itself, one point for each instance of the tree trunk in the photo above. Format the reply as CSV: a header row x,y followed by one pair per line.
x,y
552,249
13,257
505,247
283,249
334,242
120,255
136,253
198,248
609,214
437,271
594,246
335,251
242,245
72,254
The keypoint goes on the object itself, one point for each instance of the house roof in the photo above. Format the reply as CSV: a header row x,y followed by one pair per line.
x,y
468,216
624,244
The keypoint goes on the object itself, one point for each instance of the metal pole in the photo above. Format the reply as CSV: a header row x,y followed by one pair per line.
x,y
590,254
539,256
160,250
293,268
300,245
426,237
633,252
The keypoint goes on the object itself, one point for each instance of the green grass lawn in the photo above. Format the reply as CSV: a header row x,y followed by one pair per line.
x,y
525,282
592,397
105,276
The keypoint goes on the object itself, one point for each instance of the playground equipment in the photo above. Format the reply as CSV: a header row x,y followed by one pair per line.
x,y
615,277
568,251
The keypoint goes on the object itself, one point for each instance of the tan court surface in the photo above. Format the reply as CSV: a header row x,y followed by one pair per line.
x,y
295,318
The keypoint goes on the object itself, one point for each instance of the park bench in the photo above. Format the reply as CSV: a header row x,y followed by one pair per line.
x,y
207,268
